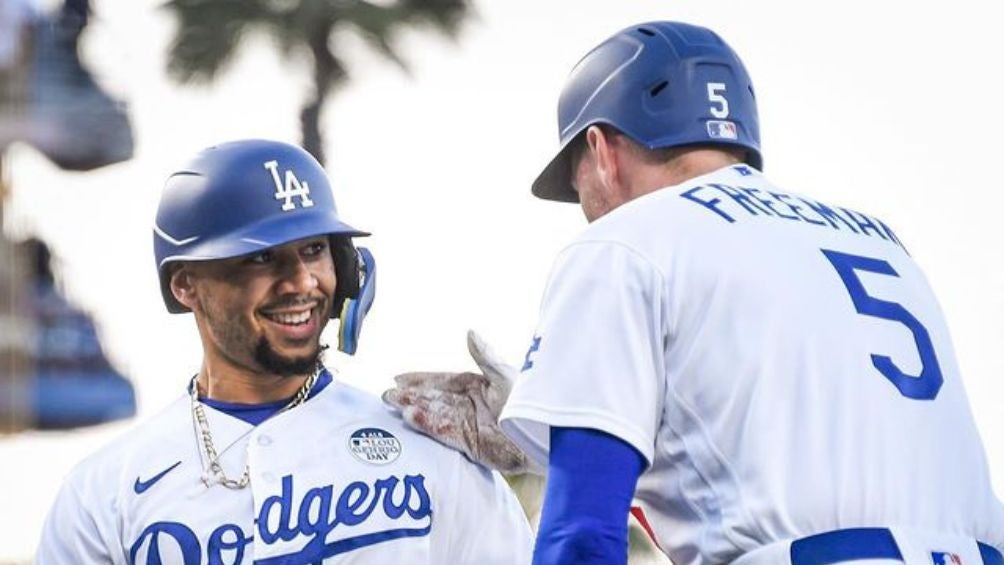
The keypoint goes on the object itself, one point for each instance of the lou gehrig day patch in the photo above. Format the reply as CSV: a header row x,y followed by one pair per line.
x,y
374,446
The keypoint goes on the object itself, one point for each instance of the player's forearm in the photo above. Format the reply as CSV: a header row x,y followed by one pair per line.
x,y
582,540
591,480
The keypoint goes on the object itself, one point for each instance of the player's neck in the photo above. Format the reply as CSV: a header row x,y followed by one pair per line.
x,y
227,383
687,165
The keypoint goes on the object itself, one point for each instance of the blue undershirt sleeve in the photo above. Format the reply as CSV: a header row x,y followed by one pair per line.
x,y
590,483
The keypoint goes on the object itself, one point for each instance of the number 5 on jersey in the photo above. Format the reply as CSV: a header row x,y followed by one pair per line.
x,y
924,386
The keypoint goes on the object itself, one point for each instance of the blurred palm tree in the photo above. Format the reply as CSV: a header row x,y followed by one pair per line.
x,y
210,31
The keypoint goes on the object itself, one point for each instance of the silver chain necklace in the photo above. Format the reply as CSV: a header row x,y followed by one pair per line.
x,y
214,472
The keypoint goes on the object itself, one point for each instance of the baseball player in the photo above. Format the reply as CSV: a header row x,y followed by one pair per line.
x,y
769,375
267,458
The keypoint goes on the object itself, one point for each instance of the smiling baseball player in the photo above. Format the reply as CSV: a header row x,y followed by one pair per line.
x,y
267,458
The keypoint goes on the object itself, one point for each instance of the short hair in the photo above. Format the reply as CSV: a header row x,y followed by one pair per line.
x,y
578,146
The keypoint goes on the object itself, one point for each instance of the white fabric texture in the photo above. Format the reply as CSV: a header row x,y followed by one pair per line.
x,y
316,495
704,325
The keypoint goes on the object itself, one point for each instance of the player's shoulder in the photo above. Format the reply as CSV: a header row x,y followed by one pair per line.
x,y
154,435
352,399
646,225
356,408
665,208
361,408
625,240
364,411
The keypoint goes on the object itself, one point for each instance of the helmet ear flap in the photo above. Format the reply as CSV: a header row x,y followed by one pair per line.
x,y
347,267
173,306
355,290
355,310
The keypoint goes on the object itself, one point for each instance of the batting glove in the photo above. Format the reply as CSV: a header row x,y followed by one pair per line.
x,y
461,410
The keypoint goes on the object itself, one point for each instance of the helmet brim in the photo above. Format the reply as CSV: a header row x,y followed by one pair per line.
x,y
262,235
254,239
555,181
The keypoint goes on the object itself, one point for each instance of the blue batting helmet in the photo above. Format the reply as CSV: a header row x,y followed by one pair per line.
x,y
662,84
242,197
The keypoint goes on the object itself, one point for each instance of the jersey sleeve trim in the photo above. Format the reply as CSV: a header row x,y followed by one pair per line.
x,y
528,425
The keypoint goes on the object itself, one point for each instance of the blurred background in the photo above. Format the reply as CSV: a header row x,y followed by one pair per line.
x,y
432,117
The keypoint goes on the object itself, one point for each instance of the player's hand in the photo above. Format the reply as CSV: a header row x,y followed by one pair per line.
x,y
461,410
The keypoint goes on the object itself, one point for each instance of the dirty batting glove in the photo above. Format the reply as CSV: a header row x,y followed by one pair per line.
x,y
461,410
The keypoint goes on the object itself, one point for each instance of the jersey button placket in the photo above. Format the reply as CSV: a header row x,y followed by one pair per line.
x,y
259,444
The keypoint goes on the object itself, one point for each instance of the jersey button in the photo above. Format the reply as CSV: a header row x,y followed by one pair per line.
x,y
264,440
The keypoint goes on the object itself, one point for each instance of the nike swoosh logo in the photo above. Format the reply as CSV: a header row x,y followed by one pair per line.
x,y
141,486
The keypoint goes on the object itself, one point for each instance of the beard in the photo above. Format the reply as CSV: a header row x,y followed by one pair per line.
x,y
282,366
240,345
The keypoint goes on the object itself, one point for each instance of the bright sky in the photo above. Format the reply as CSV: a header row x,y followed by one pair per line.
x,y
890,107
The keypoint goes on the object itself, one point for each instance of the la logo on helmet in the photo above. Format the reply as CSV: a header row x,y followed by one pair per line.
x,y
290,189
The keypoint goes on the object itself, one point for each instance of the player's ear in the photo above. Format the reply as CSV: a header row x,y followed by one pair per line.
x,y
182,282
602,145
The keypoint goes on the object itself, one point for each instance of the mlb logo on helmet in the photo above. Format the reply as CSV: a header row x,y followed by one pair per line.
x,y
722,129
944,558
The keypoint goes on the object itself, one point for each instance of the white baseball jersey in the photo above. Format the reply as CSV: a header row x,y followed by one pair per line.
x,y
781,363
337,479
